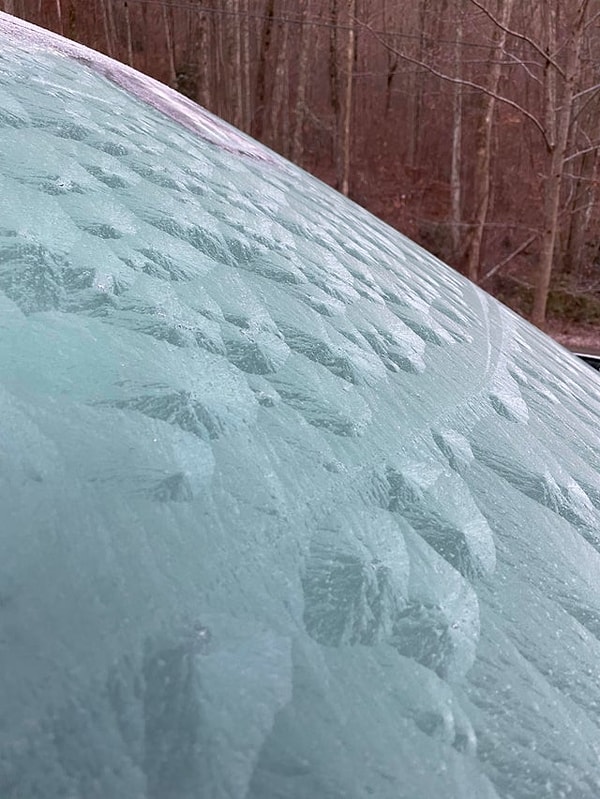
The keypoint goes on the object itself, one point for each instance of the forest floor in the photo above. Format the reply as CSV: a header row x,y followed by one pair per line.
x,y
575,336
573,304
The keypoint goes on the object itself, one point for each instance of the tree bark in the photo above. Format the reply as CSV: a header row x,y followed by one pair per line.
x,y
416,87
456,163
278,124
560,119
235,24
59,15
128,32
297,149
346,132
483,147
245,65
170,47
392,58
583,204
334,88
205,48
261,74
107,30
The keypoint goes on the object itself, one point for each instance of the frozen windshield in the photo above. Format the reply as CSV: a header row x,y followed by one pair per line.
x,y
287,507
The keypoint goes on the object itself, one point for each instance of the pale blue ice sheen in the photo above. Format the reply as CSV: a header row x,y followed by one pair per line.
x,y
288,509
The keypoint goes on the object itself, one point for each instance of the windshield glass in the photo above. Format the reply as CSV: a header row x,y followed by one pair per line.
x,y
289,508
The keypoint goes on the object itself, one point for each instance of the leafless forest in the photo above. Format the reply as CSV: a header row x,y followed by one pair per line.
x,y
471,125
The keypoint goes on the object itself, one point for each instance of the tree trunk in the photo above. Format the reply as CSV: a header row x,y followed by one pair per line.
x,y
346,132
170,47
334,87
483,147
204,46
263,59
456,164
246,66
297,149
416,88
107,31
392,58
112,27
277,128
235,23
560,117
59,15
128,31
581,213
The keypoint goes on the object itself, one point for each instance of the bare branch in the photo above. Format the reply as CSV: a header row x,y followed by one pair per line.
x,y
591,20
517,35
577,112
508,258
586,91
520,63
580,179
582,152
462,81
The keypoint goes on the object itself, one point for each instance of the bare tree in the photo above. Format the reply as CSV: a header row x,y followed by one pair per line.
x,y
261,74
278,134
334,85
204,47
59,16
346,131
245,64
108,30
128,33
392,57
297,149
417,81
483,138
586,178
562,85
456,162
559,113
167,22
236,82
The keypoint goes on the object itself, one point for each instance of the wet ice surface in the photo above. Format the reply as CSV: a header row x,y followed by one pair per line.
x,y
289,509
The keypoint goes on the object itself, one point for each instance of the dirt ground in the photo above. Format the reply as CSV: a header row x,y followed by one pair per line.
x,y
576,337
